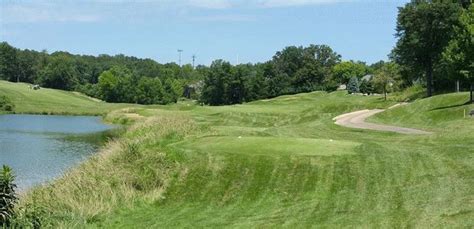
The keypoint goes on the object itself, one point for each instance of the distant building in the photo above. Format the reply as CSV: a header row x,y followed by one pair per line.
x,y
342,87
367,77
193,91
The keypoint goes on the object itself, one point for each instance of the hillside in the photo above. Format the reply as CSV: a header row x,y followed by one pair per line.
x,y
51,101
273,163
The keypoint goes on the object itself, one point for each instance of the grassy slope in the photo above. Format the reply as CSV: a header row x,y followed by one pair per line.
x,y
274,163
50,101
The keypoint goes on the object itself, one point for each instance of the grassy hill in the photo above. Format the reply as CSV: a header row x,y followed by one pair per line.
x,y
272,163
50,101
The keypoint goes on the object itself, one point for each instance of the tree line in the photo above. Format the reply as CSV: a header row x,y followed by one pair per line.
x,y
116,78
296,70
434,49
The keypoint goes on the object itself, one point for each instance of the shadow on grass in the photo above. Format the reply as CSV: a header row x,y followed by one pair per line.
x,y
452,106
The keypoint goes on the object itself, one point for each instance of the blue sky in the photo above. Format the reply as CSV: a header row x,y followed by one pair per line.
x,y
234,30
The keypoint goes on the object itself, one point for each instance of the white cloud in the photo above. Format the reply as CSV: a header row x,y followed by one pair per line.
x,y
45,12
225,4
226,18
289,3
129,10
210,4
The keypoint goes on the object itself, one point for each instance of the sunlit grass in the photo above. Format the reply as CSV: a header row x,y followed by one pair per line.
x,y
50,101
274,163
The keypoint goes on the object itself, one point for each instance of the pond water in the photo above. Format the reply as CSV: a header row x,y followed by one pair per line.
x,y
41,147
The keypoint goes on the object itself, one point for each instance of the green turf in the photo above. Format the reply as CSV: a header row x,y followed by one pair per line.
x,y
275,163
50,101
270,146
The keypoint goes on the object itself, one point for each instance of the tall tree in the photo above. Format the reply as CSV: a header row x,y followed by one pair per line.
x,y
108,84
384,78
8,62
60,73
459,55
216,83
317,64
28,65
345,70
353,85
424,29
236,91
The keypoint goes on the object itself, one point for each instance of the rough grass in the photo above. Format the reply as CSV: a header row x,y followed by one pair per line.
x,y
185,166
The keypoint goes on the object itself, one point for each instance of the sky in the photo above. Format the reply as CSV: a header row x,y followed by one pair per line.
x,y
238,31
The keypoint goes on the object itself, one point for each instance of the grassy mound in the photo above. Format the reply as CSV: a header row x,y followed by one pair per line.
x,y
272,163
437,112
51,101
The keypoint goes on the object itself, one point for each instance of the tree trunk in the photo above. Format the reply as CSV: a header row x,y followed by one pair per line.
x,y
385,93
472,89
429,79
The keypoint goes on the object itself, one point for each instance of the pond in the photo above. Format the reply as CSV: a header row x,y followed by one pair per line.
x,y
41,147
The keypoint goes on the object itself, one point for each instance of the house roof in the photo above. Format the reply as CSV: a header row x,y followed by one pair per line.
x,y
367,77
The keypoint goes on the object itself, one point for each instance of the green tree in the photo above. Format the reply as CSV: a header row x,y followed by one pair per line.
x,y
173,89
108,86
366,87
59,73
353,85
216,83
150,91
345,70
256,85
385,77
318,62
28,65
424,29
236,91
459,55
8,62
300,69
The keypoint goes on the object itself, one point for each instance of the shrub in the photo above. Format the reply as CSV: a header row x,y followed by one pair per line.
x,y
353,85
8,196
366,87
412,93
6,104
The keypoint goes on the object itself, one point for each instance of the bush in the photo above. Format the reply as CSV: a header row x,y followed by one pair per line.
x,y
6,104
366,87
8,196
353,85
409,94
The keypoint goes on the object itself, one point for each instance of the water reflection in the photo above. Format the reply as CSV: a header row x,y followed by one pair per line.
x,y
40,148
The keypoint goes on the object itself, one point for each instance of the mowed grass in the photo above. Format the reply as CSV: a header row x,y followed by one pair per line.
x,y
272,146
274,163
50,101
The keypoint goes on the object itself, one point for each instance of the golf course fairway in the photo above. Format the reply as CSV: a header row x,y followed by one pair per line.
x,y
280,162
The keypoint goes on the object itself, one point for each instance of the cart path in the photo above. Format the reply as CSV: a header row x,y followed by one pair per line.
x,y
356,119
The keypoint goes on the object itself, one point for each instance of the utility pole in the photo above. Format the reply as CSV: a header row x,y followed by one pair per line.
x,y
179,60
194,58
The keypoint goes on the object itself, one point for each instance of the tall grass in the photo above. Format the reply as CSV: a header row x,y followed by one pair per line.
x,y
123,172
8,196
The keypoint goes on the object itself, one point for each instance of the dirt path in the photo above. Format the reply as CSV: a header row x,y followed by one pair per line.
x,y
357,120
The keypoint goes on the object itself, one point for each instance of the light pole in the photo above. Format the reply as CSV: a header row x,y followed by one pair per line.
x,y
179,60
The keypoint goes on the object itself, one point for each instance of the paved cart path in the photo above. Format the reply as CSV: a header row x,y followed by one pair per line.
x,y
356,119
